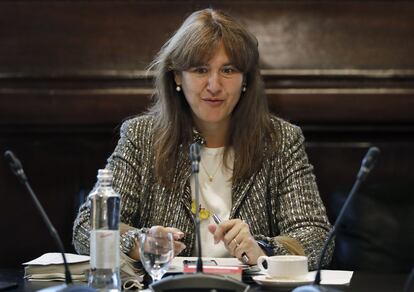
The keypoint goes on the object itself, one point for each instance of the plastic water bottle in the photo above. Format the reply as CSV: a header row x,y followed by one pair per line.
x,y
104,237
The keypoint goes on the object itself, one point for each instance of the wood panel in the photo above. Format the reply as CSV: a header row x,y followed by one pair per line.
x,y
303,106
116,38
61,167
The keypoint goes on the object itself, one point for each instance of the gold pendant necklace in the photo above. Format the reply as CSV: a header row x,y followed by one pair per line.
x,y
211,177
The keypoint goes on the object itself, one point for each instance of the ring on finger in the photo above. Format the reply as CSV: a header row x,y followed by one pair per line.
x,y
235,242
245,258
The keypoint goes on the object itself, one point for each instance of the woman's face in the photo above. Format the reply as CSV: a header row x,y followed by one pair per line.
x,y
212,90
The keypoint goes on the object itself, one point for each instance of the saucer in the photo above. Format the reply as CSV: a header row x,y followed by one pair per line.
x,y
280,282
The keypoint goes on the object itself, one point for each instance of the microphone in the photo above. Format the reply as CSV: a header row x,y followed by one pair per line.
x,y
198,281
17,169
367,165
195,160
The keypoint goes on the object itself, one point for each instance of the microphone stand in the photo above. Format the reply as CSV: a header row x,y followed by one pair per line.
x,y
195,160
17,170
367,165
198,281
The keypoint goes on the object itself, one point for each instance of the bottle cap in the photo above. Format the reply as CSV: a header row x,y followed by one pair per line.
x,y
104,175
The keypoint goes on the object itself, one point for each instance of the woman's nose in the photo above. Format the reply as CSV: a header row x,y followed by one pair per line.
x,y
214,83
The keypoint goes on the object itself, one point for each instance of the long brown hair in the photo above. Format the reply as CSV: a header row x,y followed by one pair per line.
x,y
194,44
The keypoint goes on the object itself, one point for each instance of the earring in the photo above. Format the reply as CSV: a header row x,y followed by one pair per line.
x,y
178,88
244,88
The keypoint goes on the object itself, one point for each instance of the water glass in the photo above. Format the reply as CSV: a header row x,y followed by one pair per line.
x,y
156,252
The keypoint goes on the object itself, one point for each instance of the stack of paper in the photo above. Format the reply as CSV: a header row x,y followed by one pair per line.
x,y
49,267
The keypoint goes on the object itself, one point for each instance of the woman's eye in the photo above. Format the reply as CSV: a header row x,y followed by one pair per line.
x,y
199,70
229,70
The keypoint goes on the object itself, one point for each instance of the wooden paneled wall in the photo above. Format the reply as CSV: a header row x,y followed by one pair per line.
x,y
72,71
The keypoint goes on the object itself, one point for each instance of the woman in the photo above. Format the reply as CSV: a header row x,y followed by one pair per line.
x,y
254,170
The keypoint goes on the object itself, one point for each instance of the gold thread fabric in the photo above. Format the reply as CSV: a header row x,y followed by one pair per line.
x,y
280,199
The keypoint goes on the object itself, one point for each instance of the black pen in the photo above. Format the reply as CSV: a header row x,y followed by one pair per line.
x,y
245,259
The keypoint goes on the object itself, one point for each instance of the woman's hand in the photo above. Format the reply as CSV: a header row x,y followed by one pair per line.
x,y
177,236
237,238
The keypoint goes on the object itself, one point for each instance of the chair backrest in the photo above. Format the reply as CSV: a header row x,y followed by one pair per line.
x,y
377,234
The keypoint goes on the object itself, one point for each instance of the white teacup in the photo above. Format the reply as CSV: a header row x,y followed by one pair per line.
x,y
284,266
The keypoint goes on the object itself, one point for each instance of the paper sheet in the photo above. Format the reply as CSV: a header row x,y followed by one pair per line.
x,y
336,277
55,258
328,277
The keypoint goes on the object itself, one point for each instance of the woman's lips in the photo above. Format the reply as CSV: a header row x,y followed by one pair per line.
x,y
213,102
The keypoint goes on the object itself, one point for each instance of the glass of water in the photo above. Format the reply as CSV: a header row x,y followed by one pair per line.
x,y
156,252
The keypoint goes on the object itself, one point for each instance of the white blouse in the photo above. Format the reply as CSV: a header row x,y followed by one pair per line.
x,y
215,196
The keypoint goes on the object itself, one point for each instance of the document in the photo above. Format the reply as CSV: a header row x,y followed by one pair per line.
x,y
55,258
49,267
177,264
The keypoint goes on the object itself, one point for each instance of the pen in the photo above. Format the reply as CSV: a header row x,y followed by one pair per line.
x,y
245,258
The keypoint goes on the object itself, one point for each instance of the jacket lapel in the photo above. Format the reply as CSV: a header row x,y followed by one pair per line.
x,y
182,178
239,192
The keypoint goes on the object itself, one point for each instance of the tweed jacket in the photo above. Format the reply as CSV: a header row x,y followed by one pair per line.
x,y
281,198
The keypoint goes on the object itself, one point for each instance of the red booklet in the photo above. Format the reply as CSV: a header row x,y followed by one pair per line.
x,y
230,271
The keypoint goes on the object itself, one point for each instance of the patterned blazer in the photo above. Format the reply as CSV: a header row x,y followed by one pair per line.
x,y
281,198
